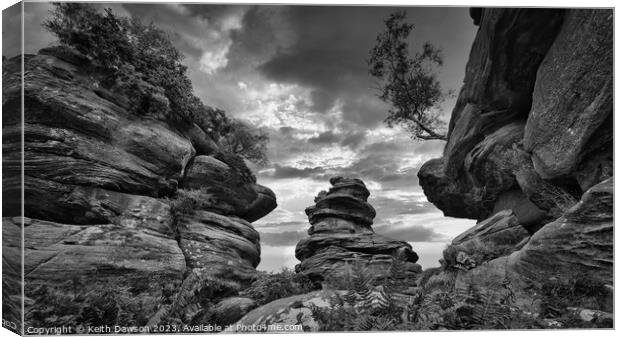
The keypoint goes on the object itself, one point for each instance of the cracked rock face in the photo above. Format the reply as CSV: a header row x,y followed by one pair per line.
x,y
535,110
341,234
98,181
529,155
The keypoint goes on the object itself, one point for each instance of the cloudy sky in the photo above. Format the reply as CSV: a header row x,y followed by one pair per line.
x,y
299,72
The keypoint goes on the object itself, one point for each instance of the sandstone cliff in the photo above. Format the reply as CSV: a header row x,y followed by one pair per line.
x,y
529,153
534,114
100,187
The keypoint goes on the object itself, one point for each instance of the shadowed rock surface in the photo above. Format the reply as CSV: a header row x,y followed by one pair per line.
x,y
532,120
529,155
341,235
99,185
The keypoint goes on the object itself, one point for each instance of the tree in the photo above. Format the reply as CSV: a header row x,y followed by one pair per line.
x,y
408,84
250,143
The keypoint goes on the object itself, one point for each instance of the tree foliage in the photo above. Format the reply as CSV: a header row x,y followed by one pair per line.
x,y
245,141
408,84
141,63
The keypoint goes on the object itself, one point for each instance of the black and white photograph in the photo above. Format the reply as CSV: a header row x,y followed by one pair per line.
x,y
181,168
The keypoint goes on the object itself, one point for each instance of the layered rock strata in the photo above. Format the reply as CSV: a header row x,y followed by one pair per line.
x,y
341,235
529,155
99,183
531,130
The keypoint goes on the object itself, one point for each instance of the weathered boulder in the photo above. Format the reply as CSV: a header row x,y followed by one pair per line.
x,y
499,235
448,195
530,216
85,264
231,193
232,309
574,252
578,244
74,136
297,311
230,189
294,310
573,95
341,236
262,205
226,247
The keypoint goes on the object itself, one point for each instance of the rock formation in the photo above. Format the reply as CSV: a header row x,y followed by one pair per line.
x,y
532,122
99,183
341,235
529,154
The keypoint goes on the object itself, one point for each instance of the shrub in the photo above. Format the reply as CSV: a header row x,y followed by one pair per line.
x,y
438,304
141,63
95,305
188,201
472,253
128,51
268,287
557,295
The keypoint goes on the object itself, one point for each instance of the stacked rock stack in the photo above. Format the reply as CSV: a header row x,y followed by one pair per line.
x,y
341,235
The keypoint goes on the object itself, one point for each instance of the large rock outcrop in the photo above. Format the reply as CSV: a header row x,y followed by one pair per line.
x,y
578,244
532,123
529,155
574,252
341,235
100,185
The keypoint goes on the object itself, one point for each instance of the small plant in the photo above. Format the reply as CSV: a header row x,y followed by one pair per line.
x,y
186,202
368,303
268,287
439,304
557,295
472,253
196,296
95,305
139,63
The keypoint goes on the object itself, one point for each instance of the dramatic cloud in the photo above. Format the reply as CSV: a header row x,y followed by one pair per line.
x,y
299,73
291,172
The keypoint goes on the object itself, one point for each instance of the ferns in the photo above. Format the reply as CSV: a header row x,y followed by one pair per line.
x,y
195,296
435,305
364,306
270,287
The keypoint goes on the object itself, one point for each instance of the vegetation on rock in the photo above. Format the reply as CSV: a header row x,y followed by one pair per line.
x,y
141,60
439,304
268,287
187,201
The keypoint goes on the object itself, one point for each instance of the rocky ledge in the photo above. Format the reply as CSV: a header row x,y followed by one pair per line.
x,y
101,184
341,235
